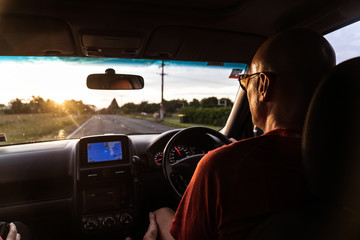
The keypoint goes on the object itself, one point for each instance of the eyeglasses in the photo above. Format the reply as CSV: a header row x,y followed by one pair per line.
x,y
244,79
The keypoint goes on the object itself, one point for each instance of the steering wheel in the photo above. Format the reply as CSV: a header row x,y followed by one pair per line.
x,y
179,173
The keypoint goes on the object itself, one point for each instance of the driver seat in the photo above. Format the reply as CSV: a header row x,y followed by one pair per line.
x,y
331,156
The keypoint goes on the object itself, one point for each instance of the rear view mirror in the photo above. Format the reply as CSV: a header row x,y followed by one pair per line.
x,y
112,81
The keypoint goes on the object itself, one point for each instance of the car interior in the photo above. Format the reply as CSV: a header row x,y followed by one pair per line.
x,y
61,191
331,167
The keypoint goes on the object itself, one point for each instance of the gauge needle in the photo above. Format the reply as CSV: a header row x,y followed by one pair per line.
x,y
158,160
178,151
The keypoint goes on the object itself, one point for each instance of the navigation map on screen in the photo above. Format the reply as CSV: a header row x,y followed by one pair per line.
x,y
104,151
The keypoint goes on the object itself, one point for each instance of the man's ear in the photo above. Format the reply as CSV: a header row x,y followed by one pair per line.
x,y
263,88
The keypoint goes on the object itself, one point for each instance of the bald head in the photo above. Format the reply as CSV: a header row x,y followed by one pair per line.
x,y
297,60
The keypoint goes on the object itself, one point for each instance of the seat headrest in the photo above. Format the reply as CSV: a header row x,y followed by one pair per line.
x,y
331,137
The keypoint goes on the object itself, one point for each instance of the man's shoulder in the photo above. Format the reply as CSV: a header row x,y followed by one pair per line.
x,y
241,146
232,152
251,148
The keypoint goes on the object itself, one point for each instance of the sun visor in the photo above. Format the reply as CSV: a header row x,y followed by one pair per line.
x,y
34,36
180,43
110,46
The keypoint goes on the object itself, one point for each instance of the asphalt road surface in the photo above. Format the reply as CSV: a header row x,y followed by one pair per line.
x,y
101,124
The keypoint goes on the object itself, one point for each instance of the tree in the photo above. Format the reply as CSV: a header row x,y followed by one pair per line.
x,y
17,106
51,106
175,105
209,102
142,106
76,107
129,108
152,107
194,103
113,107
37,105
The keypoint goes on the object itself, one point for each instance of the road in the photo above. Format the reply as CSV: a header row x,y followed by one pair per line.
x,y
101,124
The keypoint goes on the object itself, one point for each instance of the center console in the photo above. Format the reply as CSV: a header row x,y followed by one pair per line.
x,y
106,190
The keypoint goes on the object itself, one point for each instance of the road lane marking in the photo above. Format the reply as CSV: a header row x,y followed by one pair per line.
x,y
78,129
123,126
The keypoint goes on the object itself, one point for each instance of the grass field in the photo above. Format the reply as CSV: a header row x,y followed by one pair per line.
x,y
38,127
174,121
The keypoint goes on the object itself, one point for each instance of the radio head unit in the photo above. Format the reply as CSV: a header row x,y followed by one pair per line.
x,y
104,150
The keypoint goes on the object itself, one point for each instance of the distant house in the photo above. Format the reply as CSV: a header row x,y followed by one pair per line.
x,y
224,102
3,107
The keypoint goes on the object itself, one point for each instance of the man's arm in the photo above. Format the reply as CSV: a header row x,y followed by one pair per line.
x,y
164,218
196,215
160,222
13,235
152,232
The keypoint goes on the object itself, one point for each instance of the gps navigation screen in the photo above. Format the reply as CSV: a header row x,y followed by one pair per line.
x,y
104,151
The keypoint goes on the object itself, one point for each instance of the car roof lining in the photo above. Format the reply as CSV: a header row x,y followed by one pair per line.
x,y
167,30
23,35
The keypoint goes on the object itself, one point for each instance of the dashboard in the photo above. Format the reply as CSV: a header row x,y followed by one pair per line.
x,y
94,186
106,189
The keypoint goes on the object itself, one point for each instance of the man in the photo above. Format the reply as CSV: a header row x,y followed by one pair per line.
x,y
236,187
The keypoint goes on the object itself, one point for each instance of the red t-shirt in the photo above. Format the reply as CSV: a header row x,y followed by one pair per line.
x,y
237,186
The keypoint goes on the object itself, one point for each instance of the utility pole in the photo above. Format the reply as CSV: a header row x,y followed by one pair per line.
x,y
162,110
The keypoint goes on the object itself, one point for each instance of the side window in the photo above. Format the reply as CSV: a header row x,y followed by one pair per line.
x,y
346,42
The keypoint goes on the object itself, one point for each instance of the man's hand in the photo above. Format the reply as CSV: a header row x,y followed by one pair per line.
x,y
13,235
164,218
151,233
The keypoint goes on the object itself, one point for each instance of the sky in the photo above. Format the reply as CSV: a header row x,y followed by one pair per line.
x,y
65,80
346,42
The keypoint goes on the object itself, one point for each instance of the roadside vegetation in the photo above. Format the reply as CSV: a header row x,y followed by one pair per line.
x,y
37,119
210,111
37,127
175,122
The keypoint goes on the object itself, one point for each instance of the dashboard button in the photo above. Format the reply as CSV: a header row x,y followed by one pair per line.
x,y
108,222
90,224
125,219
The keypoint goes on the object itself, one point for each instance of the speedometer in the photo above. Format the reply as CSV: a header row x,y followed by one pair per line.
x,y
158,158
179,152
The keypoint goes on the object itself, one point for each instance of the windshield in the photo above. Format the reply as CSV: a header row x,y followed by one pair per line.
x,y
46,98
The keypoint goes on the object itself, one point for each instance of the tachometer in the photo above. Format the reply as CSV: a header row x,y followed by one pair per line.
x,y
158,158
179,152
